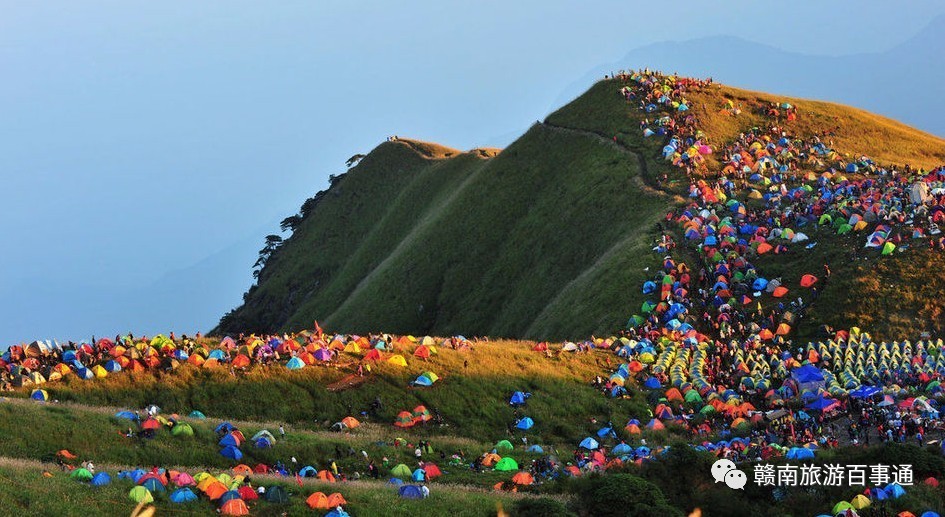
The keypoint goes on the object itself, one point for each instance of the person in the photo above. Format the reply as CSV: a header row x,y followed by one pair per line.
x,y
91,468
425,490
417,452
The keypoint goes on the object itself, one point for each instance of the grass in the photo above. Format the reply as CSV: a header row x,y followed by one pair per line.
x,y
550,237
472,399
24,490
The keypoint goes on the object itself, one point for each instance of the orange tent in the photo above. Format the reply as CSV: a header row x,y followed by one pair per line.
x,y
523,478
633,429
422,352
783,329
432,471
241,361
335,500
779,291
350,421
324,475
674,395
765,334
808,280
317,501
763,248
64,453
215,490
490,459
242,470
234,507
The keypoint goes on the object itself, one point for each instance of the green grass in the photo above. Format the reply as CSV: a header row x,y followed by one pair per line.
x,y
24,491
550,237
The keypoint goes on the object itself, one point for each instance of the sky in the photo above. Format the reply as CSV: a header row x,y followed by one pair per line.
x,y
146,148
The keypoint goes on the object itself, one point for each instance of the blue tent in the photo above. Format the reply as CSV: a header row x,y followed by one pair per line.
x,y
419,475
112,366
929,513
337,512
411,492
800,453
295,363
182,495
878,494
308,471
652,383
895,490
263,443
759,284
821,404
649,287
225,426
153,485
231,452
133,475
128,415
197,414
423,380
808,373
589,443
604,432
217,354
622,449
395,481
229,439
518,398
864,392
525,424
228,496
100,479
535,449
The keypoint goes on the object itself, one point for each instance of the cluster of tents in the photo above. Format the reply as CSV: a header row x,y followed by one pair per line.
x,y
228,491
419,415
46,361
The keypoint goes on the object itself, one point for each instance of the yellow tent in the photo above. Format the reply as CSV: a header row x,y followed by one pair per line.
x,y
397,360
99,371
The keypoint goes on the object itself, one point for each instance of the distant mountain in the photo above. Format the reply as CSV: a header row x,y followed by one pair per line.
x,y
904,82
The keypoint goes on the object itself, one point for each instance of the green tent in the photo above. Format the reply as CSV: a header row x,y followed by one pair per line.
x,y
81,474
139,494
504,445
182,430
276,494
842,506
888,248
506,464
692,396
401,471
197,414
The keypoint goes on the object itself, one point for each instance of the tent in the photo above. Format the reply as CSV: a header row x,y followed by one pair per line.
x,y
317,501
139,494
518,398
525,424
506,464
800,453
39,395
589,443
276,494
182,429
234,507
411,492
81,474
231,452
397,360
182,495
504,446
101,479
860,501
401,471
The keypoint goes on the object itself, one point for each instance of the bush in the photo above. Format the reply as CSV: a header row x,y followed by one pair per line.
x,y
622,494
540,507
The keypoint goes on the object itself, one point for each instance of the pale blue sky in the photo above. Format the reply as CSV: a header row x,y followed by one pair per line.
x,y
141,138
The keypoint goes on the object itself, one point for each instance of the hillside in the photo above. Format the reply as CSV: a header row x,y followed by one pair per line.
x,y
551,237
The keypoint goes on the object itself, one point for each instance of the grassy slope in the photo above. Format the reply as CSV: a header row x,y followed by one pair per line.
x,y
549,238
471,399
24,491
